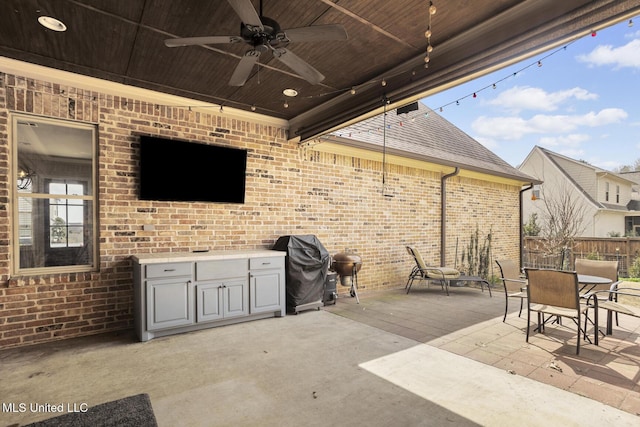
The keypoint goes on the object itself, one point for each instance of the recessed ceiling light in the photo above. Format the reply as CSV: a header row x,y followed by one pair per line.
x,y
290,92
52,23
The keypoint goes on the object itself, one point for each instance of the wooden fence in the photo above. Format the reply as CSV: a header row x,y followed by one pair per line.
x,y
623,249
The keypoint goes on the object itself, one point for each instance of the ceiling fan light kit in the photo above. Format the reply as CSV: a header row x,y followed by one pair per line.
x,y
264,34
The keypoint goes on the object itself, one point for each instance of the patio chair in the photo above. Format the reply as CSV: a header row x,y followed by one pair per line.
x,y
514,284
606,269
555,293
421,271
618,300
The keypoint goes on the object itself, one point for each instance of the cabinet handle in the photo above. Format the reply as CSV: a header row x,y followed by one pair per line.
x,y
266,263
169,269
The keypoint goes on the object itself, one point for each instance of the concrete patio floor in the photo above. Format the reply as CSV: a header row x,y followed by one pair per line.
x,y
394,359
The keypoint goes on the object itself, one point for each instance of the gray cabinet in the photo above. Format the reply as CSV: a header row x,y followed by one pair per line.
x,y
202,291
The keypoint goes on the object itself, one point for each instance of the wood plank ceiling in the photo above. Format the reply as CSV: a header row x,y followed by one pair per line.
x,y
123,41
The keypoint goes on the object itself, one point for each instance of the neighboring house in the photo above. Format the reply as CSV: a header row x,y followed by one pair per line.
x,y
604,199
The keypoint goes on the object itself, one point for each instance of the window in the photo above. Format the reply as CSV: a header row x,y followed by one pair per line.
x,y
606,191
54,218
617,194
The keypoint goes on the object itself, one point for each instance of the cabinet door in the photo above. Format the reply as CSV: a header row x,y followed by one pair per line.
x,y
236,298
222,299
209,301
169,303
266,291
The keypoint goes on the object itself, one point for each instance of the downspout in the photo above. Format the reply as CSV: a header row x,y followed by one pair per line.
x,y
521,215
443,214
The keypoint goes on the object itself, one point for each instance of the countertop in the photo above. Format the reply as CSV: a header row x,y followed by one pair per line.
x,y
163,257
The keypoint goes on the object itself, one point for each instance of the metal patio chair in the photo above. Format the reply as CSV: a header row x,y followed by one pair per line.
x,y
555,293
515,285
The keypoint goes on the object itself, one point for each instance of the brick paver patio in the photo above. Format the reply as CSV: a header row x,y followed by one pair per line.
x,y
469,323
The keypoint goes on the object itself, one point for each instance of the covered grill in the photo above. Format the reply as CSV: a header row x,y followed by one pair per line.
x,y
306,268
347,266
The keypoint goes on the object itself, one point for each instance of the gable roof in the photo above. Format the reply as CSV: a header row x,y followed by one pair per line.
x,y
424,135
580,173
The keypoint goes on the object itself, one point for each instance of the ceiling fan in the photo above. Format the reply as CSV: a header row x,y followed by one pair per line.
x,y
264,34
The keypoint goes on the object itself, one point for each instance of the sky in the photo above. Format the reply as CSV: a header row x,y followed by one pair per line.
x,y
583,101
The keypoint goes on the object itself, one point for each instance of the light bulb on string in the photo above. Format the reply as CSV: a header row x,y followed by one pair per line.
x,y
432,9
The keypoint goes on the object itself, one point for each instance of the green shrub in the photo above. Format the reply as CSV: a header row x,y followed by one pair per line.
x,y
634,268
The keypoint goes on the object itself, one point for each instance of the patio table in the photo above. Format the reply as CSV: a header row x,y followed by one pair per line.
x,y
589,282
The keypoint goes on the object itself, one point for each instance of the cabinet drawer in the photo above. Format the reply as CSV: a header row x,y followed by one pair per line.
x,y
207,270
266,262
168,270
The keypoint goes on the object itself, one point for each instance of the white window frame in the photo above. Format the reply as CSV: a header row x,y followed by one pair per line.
x,y
92,198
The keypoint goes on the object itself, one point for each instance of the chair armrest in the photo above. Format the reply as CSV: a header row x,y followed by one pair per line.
x,y
613,295
523,281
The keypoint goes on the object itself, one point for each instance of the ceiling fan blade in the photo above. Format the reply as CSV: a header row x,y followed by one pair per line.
x,y
190,41
298,65
244,67
247,13
316,33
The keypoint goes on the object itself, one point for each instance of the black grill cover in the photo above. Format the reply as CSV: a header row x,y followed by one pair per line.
x,y
306,268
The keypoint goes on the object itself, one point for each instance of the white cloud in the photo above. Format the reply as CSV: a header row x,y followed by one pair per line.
x,y
573,140
619,57
514,128
532,98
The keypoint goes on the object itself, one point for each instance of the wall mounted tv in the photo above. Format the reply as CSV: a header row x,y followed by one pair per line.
x,y
174,170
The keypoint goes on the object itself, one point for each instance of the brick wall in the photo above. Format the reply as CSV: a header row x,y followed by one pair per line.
x,y
291,189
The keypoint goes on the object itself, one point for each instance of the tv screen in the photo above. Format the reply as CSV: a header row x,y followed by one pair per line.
x,y
173,170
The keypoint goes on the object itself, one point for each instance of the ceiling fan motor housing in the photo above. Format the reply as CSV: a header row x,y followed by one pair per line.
x,y
257,37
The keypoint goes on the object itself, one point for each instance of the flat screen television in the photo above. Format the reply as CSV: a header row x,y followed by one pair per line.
x,y
174,170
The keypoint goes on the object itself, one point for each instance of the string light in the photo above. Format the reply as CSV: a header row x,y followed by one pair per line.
x,y
494,85
630,24
427,34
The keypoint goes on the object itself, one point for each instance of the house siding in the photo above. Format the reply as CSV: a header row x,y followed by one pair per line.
x,y
291,189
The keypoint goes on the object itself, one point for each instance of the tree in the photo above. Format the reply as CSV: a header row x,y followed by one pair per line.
x,y
532,228
629,168
563,219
